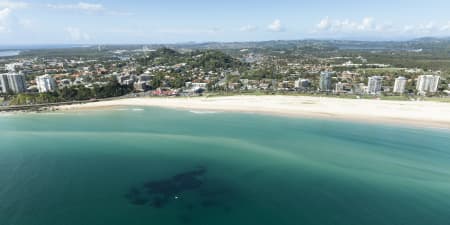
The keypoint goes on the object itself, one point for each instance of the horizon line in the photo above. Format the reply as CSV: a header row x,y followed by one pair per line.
x,y
222,42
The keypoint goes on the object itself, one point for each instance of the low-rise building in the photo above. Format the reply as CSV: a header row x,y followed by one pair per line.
x,y
140,86
244,84
343,88
65,83
197,86
302,84
359,88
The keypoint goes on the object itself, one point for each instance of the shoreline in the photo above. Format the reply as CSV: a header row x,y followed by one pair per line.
x,y
418,114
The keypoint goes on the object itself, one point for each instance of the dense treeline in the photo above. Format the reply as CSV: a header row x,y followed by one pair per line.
x,y
212,60
208,60
162,56
74,93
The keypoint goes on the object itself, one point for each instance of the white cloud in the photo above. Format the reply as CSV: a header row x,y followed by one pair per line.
x,y
275,26
4,13
83,6
89,8
76,34
429,28
215,30
189,31
248,28
446,27
26,23
13,5
387,27
367,24
324,24
10,22
4,20
118,13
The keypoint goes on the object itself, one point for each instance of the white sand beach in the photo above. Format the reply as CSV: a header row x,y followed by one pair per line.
x,y
423,114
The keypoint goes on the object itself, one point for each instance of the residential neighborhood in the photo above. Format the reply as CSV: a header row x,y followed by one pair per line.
x,y
190,72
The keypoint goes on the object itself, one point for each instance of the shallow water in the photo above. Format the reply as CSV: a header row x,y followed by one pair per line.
x,y
157,166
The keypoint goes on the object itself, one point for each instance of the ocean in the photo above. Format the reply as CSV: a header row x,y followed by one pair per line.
x,y
140,166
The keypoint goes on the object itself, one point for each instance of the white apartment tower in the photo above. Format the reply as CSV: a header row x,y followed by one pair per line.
x,y
12,82
45,83
427,83
400,85
374,85
325,81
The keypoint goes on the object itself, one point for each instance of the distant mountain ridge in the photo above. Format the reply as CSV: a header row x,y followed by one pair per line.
x,y
413,44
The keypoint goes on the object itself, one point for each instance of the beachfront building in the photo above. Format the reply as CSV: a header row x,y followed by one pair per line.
x,y
302,84
427,84
126,79
374,85
198,86
325,81
12,82
359,88
400,85
65,83
45,83
244,84
140,86
342,88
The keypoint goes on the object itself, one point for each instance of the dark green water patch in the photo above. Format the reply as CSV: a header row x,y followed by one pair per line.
x,y
159,193
188,192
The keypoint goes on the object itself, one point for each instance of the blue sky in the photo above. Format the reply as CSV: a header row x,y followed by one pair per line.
x,y
175,21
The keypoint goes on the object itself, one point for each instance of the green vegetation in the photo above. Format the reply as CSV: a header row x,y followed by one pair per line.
x,y
207,60
74,93
213,60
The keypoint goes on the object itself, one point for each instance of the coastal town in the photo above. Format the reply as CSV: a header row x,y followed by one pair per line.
x,y
49,78
224,112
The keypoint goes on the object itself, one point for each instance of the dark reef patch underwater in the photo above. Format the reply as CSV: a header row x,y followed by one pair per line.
x,y
181,188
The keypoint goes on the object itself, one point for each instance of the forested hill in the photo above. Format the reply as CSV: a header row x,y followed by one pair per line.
x,y
208,60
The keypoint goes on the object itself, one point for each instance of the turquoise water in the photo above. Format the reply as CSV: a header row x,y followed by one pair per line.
x,y
157,166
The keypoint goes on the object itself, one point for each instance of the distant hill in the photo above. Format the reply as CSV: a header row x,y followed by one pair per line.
x,y
431,39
